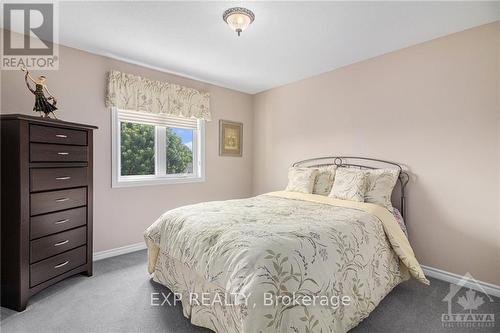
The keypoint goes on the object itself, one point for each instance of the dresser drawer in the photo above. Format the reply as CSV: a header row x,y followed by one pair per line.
x,y
51,245
47,134
59,264
46,202
47,224
56,178
41,152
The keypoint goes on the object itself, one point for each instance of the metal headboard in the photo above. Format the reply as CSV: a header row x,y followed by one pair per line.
x,y
361,163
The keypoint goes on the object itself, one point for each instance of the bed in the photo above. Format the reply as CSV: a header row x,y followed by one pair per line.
x,y
283,261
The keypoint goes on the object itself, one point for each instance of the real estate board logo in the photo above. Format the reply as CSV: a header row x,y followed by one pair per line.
x,y
466,299
29,36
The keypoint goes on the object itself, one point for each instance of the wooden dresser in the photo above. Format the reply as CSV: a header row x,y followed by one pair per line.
x,y
46,204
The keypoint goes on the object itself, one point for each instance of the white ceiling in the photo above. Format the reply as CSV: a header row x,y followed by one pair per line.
x,y
287,42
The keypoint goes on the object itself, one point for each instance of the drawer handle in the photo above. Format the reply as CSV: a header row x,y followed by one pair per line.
x,y
61,136
63,178
62,153
61,221
62,199
62,243
61,265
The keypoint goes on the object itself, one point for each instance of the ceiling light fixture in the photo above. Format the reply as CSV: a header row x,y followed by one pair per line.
x,y
238,18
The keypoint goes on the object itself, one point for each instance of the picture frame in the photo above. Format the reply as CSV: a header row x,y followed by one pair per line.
x,y
230,138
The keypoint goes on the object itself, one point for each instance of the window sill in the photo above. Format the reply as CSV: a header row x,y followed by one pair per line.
x,y
117,183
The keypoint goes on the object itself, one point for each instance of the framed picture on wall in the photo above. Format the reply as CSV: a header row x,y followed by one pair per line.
x,y
230,138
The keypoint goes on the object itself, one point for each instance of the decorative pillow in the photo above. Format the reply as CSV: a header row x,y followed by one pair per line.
x,y
301,179
379,186
349,184
324,180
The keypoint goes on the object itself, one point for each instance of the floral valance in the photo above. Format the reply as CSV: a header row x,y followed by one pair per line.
x,y
131,92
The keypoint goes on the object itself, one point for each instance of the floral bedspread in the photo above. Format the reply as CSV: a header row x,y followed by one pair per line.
x,y
276,264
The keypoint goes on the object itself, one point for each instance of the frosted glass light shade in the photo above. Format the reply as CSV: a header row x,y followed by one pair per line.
x,y
238,18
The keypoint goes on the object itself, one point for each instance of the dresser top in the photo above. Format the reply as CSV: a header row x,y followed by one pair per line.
x,y
44,121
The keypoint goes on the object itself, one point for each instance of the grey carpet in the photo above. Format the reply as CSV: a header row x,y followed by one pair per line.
x,y
117,299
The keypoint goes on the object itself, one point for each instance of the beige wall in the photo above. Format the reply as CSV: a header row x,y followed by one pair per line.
x,y
122,214
433,107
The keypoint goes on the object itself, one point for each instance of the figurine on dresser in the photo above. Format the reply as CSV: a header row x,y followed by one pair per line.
x,y
44,105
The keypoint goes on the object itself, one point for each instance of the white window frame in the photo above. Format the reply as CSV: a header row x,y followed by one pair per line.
x,y
160,177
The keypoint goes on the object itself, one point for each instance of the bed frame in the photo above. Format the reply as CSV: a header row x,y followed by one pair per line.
x,y
364,163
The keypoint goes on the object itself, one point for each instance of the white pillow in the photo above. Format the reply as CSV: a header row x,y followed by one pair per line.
x,y
301,179
379,186
324,180
349,184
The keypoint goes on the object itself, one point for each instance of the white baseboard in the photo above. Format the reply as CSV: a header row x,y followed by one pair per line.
x,y
118,251
481,286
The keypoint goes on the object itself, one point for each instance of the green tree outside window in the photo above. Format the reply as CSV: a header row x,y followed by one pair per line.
x,y
179,156
138,151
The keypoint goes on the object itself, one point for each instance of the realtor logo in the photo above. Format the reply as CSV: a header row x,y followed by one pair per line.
x,y
468,296
29,36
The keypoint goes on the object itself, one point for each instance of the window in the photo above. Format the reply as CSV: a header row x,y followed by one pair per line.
x,y
151,149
